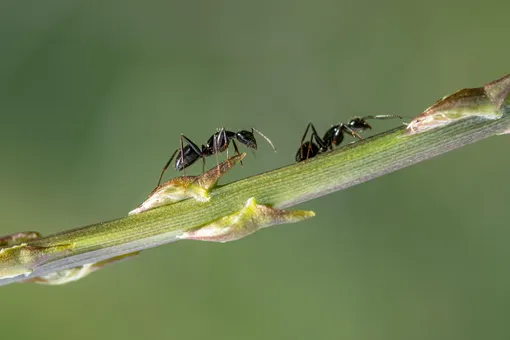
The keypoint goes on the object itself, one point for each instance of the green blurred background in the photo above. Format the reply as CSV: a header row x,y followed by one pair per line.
x,y
94,94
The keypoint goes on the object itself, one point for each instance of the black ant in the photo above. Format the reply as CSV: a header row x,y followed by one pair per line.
x,y
334,136
219,142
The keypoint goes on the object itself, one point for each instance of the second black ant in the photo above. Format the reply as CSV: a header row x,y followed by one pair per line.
x,y
217,143
334,136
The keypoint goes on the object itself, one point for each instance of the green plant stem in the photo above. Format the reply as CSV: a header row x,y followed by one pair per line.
x,y
281,188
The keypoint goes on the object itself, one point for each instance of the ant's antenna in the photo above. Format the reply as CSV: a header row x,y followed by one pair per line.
x,y
267,139
166,167
385,117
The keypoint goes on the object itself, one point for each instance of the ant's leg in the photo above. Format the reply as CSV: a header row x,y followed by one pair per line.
x,y
318,140
315,132
236,151
193,146
215,147
315,136
203,164
221,143
303,139
182,154
166,166
226,141
306,132
235,147
351,131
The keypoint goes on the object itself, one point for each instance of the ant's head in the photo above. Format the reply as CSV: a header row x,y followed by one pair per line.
x,y
359,124
247,138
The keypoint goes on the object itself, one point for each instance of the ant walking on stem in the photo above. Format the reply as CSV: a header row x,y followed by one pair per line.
x,y
217,143
334,136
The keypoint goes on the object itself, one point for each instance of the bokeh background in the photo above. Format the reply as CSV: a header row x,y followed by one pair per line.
x,y
94,94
